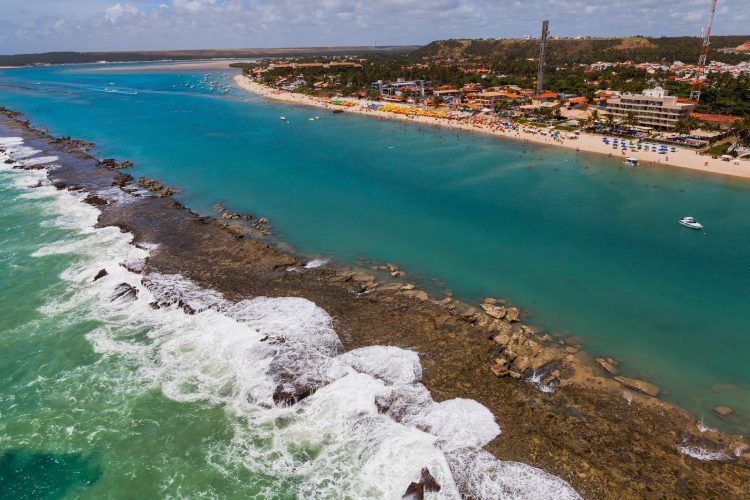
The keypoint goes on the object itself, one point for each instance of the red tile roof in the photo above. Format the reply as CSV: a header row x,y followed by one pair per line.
x,y
715,118
545,95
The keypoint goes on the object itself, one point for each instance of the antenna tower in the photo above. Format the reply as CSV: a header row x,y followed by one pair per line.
x,y
543,57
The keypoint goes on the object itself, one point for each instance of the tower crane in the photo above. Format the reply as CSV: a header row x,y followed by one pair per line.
x,y
700,71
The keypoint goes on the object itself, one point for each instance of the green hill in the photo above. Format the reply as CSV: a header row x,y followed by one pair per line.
x,y
637,49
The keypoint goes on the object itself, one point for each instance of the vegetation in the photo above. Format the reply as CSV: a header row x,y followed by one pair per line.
x,y
741,129
636,49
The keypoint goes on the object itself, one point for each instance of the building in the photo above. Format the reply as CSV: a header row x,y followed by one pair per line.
x,y
417,87
489,99
654,108
724,122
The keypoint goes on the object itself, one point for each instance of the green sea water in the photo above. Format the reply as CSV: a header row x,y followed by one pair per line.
x,y
588,247
104,396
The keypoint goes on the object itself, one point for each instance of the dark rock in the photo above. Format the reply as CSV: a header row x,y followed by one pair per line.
x,y
415,491
95,200
150,184
59,184
429,482
113,164
122,179
284,397
186,307
100,274
8,162
125,291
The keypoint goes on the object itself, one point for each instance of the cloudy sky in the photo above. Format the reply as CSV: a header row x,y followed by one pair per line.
x,y
81,25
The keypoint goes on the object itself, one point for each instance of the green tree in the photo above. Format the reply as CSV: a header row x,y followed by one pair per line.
x,y
631,120
609,121
594,115
686,125
741,129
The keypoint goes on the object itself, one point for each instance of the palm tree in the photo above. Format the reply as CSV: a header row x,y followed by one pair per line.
x,y
594,115
609,121
741,129
686,125
631,120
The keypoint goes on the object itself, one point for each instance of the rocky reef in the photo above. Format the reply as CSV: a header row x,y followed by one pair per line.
x,y
608,435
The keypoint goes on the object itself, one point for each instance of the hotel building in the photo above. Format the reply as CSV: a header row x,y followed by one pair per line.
x,y
654,108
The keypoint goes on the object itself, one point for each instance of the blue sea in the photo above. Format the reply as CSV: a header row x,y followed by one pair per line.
x,y
587,247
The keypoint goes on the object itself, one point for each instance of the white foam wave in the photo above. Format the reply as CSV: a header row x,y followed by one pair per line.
x,y
702,453
479,475
38,160
316,263
363,425
7,142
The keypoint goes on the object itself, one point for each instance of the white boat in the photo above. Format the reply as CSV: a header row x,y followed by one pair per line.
x,y
282,118
631,161
691,223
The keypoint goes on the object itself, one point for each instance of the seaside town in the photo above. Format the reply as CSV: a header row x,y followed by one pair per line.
x,y
661,108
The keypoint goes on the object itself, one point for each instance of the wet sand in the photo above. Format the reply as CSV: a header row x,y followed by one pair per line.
x,y
607,441
683,158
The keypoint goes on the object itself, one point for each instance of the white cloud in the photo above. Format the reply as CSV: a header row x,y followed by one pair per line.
x,y
41,25
192,6
118,11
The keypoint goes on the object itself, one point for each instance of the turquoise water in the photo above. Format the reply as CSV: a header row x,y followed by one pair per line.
x,y
589,248
107,397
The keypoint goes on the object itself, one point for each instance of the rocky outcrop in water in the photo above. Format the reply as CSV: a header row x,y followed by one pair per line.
x,y
426,483
114,164
640,385
100,274
125,291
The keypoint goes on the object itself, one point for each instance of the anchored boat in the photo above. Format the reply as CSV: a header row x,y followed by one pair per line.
x,y
691,223
633,162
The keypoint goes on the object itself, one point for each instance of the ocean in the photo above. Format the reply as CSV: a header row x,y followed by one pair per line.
x,y
131,400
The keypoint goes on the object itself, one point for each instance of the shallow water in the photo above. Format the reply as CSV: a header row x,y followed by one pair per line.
x,y
590,248
108,396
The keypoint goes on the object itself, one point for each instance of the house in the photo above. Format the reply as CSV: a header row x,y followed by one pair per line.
x,y
544,97
489,99
577,103
397,88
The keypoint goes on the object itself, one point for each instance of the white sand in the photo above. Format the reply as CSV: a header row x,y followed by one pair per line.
x,y
683,158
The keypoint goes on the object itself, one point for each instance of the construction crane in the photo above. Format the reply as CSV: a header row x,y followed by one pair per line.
x,y
700,71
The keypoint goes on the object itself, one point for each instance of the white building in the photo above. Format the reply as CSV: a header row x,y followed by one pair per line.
x,y
654,108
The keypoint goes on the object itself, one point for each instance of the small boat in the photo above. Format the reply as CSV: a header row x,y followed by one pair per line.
x,y
338,111
633,162
691,223
282,118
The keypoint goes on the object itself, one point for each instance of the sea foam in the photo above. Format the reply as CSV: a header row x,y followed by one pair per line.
x,y
356,423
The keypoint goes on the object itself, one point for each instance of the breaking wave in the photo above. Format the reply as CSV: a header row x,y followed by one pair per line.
x,y
342,424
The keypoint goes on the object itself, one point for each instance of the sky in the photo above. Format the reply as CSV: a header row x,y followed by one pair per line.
x,y
103,25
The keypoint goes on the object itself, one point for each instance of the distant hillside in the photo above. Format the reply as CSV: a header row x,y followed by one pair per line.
x,y
90,57
638,49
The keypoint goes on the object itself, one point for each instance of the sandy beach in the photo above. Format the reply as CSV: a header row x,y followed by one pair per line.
x,y
682,158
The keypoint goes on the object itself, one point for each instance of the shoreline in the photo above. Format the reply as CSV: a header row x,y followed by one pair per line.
x,y
635,434
587,143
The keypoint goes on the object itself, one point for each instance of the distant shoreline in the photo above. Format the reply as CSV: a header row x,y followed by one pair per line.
x,y
589,143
